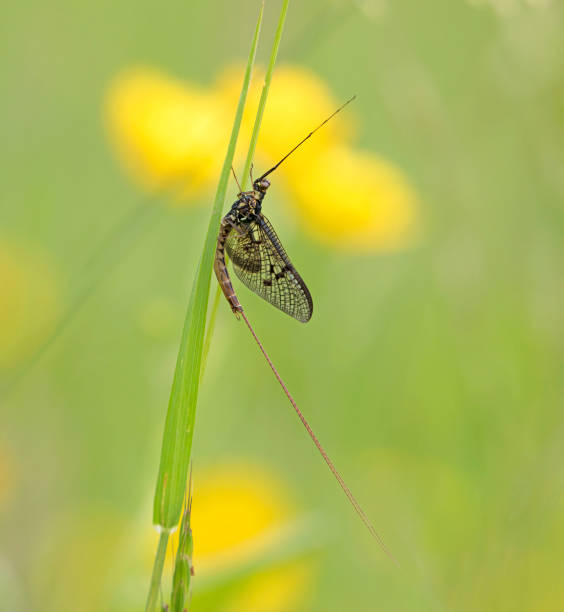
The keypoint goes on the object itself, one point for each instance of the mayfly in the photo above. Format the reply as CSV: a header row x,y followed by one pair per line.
x,y
262,264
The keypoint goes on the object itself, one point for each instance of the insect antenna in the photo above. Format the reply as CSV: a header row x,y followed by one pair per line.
x,y
352,499
235,177
308,136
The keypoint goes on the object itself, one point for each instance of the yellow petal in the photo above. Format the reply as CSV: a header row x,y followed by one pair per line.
x,y
281,589
240,512
238,509
298,102
354,200
167,133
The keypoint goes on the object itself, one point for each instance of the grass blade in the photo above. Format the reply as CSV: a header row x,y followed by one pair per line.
x,y
183,568
181,414
264,93
252,148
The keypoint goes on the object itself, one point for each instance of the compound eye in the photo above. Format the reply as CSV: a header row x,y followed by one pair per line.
x,y
265,183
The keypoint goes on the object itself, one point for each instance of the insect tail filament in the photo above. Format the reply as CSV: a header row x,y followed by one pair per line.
x,y
330,464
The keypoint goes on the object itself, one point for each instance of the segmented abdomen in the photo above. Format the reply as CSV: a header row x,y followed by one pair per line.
x,y
220,268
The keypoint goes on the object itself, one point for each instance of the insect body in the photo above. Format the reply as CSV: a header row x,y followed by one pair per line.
x,y
258,257
261,263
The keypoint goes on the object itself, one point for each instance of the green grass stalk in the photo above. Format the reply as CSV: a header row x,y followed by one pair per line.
x,y
182,575
252,148
157,570
264,93
181,413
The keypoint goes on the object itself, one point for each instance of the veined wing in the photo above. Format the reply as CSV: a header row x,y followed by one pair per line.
x,y
261,263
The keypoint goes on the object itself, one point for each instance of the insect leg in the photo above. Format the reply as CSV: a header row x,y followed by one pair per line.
x,y
235,177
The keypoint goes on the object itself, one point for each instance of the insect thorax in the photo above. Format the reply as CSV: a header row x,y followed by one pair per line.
x,y
247,207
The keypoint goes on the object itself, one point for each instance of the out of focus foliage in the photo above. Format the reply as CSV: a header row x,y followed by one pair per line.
x,y
427,221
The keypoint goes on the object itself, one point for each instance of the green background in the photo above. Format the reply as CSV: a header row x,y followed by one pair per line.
x,y
433,376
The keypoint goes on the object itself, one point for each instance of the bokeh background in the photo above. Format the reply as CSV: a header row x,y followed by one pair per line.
x,y
432,369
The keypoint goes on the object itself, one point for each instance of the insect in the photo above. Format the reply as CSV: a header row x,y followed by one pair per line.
x,y
258,257
262,264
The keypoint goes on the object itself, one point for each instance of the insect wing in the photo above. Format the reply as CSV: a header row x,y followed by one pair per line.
x,y
261,263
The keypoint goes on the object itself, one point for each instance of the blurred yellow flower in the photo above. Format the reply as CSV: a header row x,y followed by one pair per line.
x,y
167,133
298,101
237,512
277,590
241,515
28,301
354,200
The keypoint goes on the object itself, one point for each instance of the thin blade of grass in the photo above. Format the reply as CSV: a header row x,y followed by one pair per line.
x,y
251,151
177,438
181,414
183,568
264,93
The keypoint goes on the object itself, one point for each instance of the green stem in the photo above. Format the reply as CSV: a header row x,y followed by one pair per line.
x,y
157,572
181,413
264,93
251,151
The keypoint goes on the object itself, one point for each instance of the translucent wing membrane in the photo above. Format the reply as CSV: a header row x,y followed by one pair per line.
x,y
261,263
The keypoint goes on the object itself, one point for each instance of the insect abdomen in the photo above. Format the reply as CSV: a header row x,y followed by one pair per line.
x,y
220,268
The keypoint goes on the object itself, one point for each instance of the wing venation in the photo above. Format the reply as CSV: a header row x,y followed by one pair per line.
x,y
261,263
